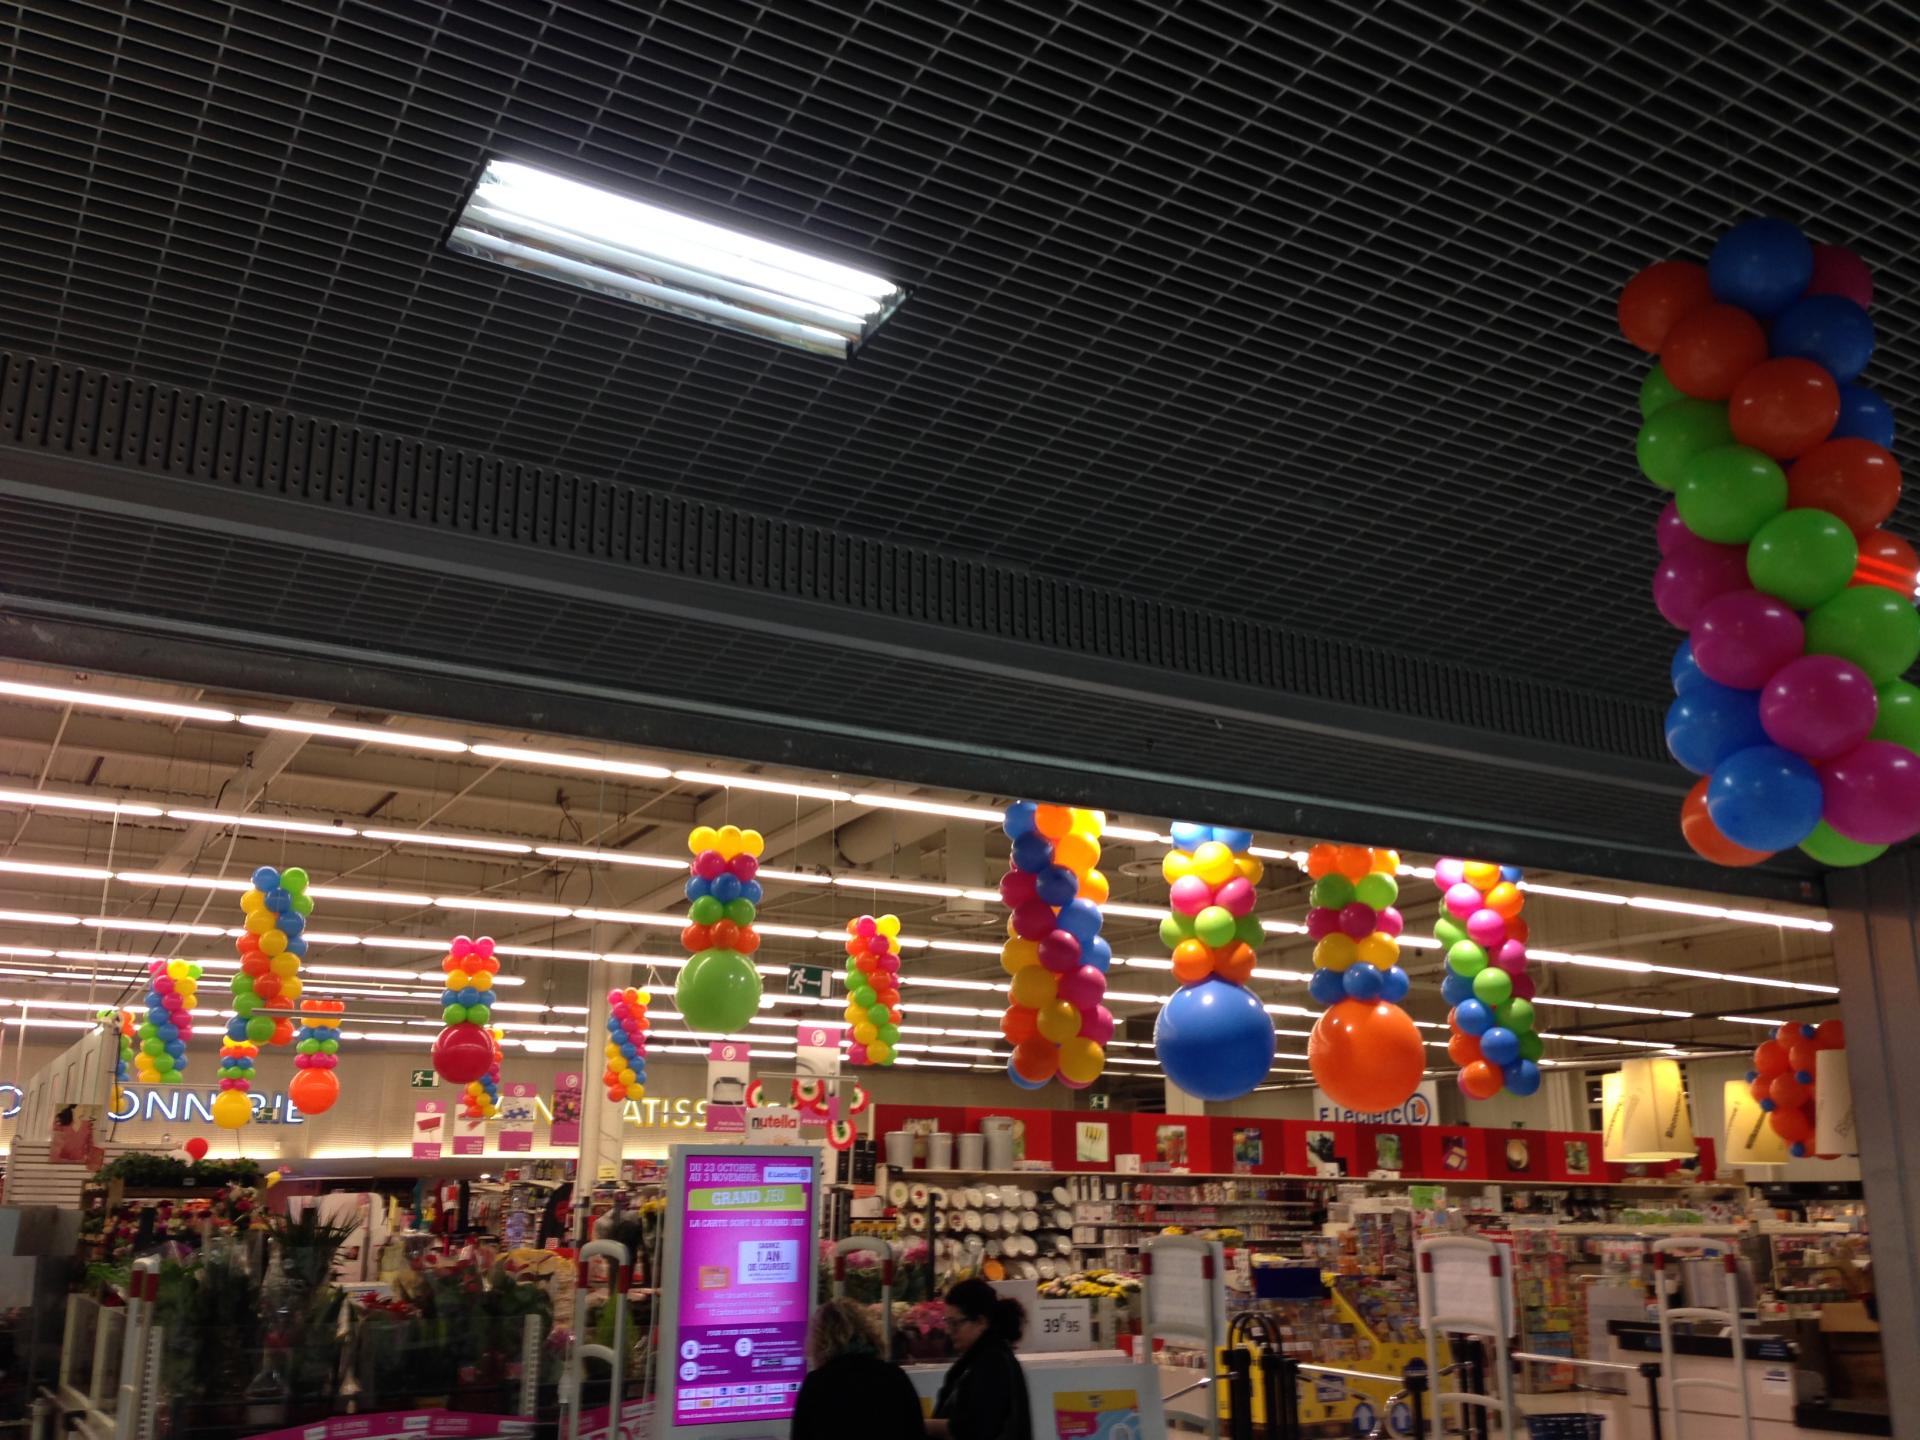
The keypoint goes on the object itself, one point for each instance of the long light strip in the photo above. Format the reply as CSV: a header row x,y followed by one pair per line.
x,y
60,872
35,799
900,887
612,857
594,765
930,807
767,787
501,907
261,822
366,734
99,700
453,842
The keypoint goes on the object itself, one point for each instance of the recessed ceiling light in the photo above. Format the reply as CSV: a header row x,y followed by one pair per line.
x,y
543,224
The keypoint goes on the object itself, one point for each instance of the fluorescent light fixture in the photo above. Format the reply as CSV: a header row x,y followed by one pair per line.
x,y
898,887
192,882
536,952
100,700
405,942
765,787
798,877
500,907
1598,897
932,807
544,224
365,734
965,947
1128,832
610,857
635,917
259,822
156,927
592,764
37,917
365,897
30,1023
1751,1020
797,932
37,798
456,842
32,952
62,872
1136,912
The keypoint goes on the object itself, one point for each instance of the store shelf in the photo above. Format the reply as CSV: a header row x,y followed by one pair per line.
x,y
1159,1177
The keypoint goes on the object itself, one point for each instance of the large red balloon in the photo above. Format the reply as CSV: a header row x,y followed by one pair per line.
x,y
1366,1055
1851,478
462,1053
1709,349
1705,837
1659,295
1784,407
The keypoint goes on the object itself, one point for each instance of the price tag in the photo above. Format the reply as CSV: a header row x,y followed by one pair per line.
x,y
1060,1325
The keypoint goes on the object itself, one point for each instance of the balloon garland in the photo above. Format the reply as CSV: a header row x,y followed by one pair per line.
x,y
1365,1051
123,1022
1491,994
1782,1080
464,1051
1055,954
271,947
482,1098
316,1046
173,988
719,988
626,1073
1213,1036
1798,606
873,988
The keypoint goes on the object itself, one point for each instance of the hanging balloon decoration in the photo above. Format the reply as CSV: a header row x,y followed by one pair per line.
x,y
463,1051
167,1024
1487,985
1365,1051
719,988
316,1046
1055,954
123,1022
626,1073
873,989
1782,1080
1213,1036
1798,606
481,1099
271,946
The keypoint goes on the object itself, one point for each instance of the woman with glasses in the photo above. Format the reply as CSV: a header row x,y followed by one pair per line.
x,y
984,1396
850,1386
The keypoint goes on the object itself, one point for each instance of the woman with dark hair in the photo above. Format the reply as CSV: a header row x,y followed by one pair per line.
x,y
984,1396
851,1387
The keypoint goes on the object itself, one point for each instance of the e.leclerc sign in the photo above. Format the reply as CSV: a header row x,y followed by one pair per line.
x,y
1420,1108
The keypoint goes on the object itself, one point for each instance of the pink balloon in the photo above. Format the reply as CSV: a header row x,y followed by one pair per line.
x,y
1671,530
1838,271
1083,988
1237,895
866,928
1322,921
889,964
856,1053
483,947
1448,872
1873,793
1487,927
1511,957
1742,637
1359,919
709,864
1071,1084
1017,887
163,986
462,946
1523,986
1693,572
1818,706
1033,920
1097,1024
1462,900
1392,922
1059,952
744,866
1190,895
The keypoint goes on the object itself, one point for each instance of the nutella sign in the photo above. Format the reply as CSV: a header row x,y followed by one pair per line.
x,y
773,1125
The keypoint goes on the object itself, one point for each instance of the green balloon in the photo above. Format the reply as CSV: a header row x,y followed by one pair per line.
x,y
741,912
1531,1046
259,1029
889,1032
1899,718
293,880
479,1014
1449,931
1377,890
863,996
242,984
1728,492
878,1015
718,990
245,1002
1516,1014
706,911
153,1046
1493,986
1170,932
329,1047
1804,557
1830,847
1333,891
312,1047
303,904
1657,392
1670,440
1467,958
1214,925
1875,628
1250,930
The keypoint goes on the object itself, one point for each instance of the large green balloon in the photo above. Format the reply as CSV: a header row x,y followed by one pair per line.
x,y
1672,437
719,990
1830,847
1804,557
1875,628
1899,719
1728,492
1657,392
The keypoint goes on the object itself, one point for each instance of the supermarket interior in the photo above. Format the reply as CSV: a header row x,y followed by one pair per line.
x,y
817,720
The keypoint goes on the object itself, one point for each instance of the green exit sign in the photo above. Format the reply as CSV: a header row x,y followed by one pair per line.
x,y
1096,1102
422,1079
807,980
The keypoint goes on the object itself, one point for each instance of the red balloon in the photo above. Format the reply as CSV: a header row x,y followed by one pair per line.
x,y
1832,1035
1019,1024
1710,348
1036,1060
196,1147
1791,1123
696,938
1784,407
1786,1091
1888,561
462,1053
1800,1055
747,941
1788,1035
1704,836
313,1091
1770,1057
1659,295
1762,1088
1851,478
725,934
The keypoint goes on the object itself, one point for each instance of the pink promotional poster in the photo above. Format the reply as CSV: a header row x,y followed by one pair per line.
x,y
744,1283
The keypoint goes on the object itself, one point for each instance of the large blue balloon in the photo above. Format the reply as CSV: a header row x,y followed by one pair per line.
x,y
1188,836
1455,988
1523,1077
1864,416
1500,1045
1685,671
1473,1016
1081,919
1327,987
1765,798
1829,330
1214,1039
1762,265
1020,819
1712,721
1032,852
1056,885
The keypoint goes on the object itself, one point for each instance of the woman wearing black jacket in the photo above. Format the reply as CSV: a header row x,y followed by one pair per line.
x,y
984,1396
852,1388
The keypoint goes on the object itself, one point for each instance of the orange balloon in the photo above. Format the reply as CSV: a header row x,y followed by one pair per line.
x,y
1463,1049
1887,561
1517,928
1321,860
1094,887
1077,850
1354,861
1852,478
1052,821
1385,862
1770,1058
1481,1080
313,1091
1784,407
1791,1123
1020,1024
1236,964
1036,1059
1705,837
1658,296
1367,1056
1505,900
1710,348
1192,961
1761,1088
1832,1035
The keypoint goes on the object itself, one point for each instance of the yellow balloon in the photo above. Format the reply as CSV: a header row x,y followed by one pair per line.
x,y
628,1077
753,842
1480,875
1213,862
1088,822
636,1092
253,900
260,921
1250,868
1017,955
639,997
456,979
1176,866
1034,986
1081,1059
1380,951
273,942
290,988
176,969
888,925
482,981
1012,934
1059,1021
1386,862
730,839
855,1014
272,1178
231,1109
284,964
613,1051
1336,952
1095,887
879,1052
866,1032
703,838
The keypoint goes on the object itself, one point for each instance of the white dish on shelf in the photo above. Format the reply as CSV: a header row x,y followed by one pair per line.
x,y
974,1198
1062,1195
917,1196
897,1193
990,1222
1028,1199
970,1219
1029,1220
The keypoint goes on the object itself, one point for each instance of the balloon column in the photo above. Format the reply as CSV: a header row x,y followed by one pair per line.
x,y
316,1047
1782,1080
1213,1036
1798,606
1365,1052
123,1021
1055,953
464,1051
172,990
873,988
482,1098
1487,985
626,1073
719,987
271,946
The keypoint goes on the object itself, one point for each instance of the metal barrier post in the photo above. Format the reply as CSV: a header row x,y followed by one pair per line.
x,y
1414,1377
1651,1370
1239,1362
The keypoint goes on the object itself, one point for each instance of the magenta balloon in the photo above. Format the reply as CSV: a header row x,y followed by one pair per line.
x,y
1741,638
1060,952
1462,900
1487,927
1512,958
1190,895
1448,871
1671,531
1083,988
1359,919
1523,986
1838,271
1818,706
1693,572
1322,921
1872,793
1392,922
1237,895
1097,1024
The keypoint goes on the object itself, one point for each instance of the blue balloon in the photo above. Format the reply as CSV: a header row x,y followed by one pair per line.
x,y
1189,836
1395,984
1805,1077
698,888
752,892
1752,1075
297,945
1829,330
1327,987
1032,852
1762,265
237,1028
1098,953
266,878
176,1047
1807,1032
1237,841
1798,1149
1214,1039
1711,722
470,996
1863,416
166,1030
1025,1084
1361,982
449,997
1080,919
1056,885
1455,989
726,888
1020,819
1523,1077
1511,874
1685,671
292,923
279,900
1765,798
1768,1107
1500,1045
1473,1016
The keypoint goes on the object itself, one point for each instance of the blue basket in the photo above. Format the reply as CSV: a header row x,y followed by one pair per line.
x,y
1568,1425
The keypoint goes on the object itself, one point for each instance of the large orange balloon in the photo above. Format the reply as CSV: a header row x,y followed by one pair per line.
x,y
1366,1056
1659,295
1035,1060
1354,861
1851,478
1705,837
1020,1024
313,1091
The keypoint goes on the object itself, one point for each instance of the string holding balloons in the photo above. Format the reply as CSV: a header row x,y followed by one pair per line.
x,y
1487,987
1214,1038
1797,603
626,1073
1782,1080
719,988
873,989
1055,955
1365,1051
316,1057
464,1051
173,989
271,946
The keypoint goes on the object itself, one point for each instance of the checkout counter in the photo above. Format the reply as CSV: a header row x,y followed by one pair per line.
x,y
1788,1399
